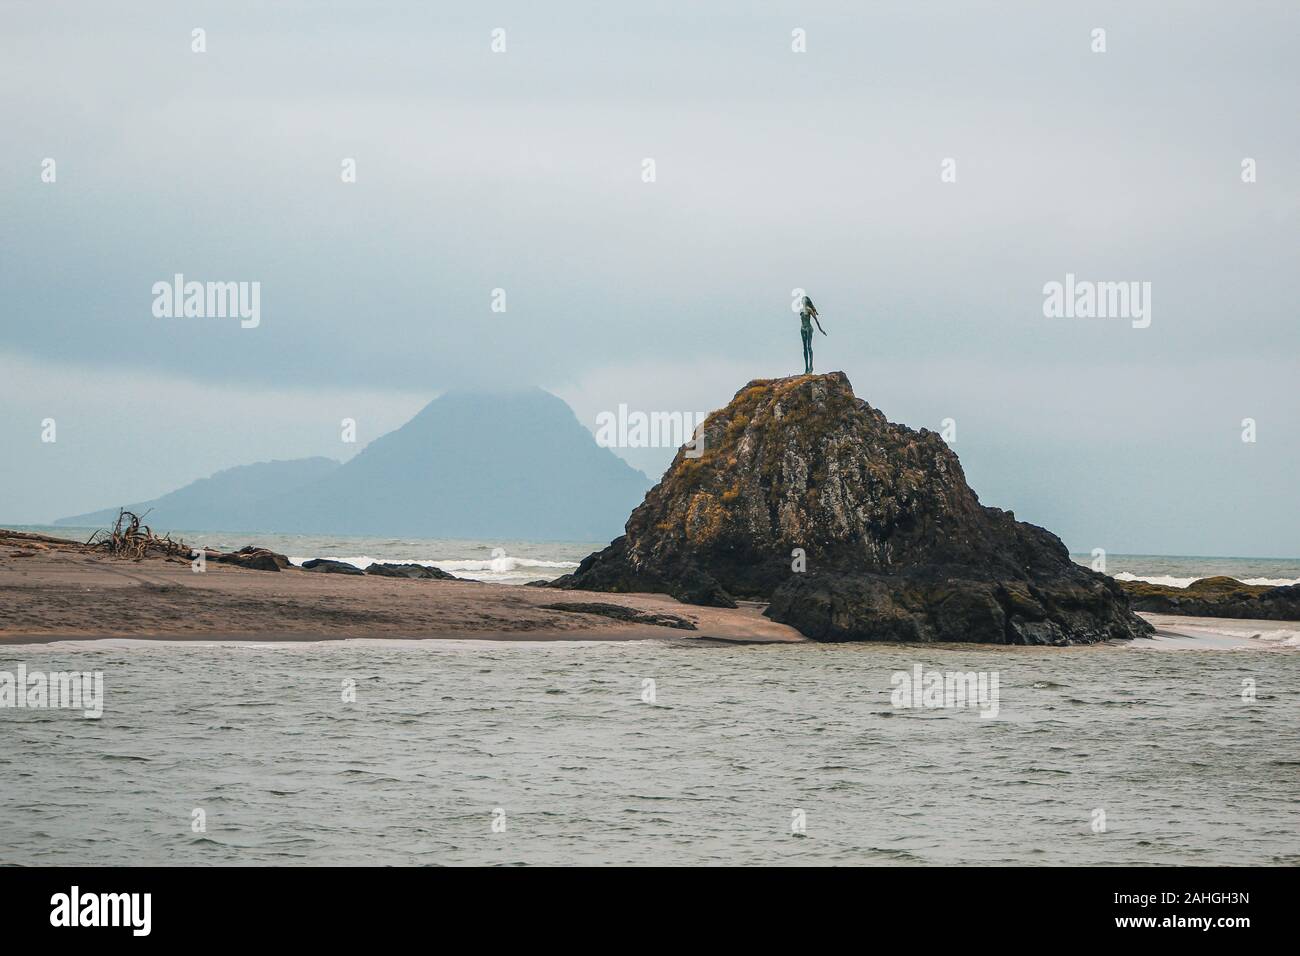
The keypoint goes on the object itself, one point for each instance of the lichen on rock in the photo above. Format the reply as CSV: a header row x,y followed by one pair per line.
x,y
1218,597
897,545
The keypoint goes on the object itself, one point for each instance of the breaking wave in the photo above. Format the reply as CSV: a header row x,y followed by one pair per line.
x,y
1173,582
500,569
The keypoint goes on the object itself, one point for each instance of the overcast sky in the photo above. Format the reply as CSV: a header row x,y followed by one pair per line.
x,y
774,170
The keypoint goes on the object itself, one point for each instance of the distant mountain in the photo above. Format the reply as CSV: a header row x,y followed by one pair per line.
x,y
217,503
470,465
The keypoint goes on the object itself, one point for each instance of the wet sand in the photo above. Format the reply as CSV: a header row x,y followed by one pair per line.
x,y
1188,632
54,589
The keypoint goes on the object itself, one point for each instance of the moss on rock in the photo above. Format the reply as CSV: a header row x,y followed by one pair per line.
x,y
897,545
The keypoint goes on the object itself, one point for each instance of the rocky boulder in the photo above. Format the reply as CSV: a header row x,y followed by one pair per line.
x,y
1218,597
251,557
852,528
419,571
330,566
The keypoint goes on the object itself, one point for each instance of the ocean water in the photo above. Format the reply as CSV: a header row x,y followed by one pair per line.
x,y
1101,755
1176,571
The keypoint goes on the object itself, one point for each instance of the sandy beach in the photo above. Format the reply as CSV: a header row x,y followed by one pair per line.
x,y
55,589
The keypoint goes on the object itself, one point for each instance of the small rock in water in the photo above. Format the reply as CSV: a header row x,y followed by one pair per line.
x,y
1218,597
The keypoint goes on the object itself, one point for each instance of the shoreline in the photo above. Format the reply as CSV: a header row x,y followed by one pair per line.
x,y
1200,635
55,590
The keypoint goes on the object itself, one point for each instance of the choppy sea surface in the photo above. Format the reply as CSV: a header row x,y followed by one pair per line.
x,y
1100,755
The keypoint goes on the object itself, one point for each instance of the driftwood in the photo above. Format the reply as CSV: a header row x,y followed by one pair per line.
x,y
131,539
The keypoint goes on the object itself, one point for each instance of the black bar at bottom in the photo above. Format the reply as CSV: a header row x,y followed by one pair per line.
x,y
333,905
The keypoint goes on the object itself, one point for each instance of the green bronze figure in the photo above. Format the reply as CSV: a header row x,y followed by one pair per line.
x,y
808,315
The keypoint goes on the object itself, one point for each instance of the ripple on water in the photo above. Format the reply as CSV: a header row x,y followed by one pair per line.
x,y
740,740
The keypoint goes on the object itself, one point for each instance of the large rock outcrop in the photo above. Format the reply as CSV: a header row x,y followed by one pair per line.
x,y
895,545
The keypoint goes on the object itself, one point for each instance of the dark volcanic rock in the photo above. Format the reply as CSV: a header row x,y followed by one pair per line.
x,y
620,613
410,571
896,545
250,556
330,566
1218,597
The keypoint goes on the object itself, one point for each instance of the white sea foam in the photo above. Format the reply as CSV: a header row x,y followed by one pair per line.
x,y
1172,582
1225,633
501,568
503,564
